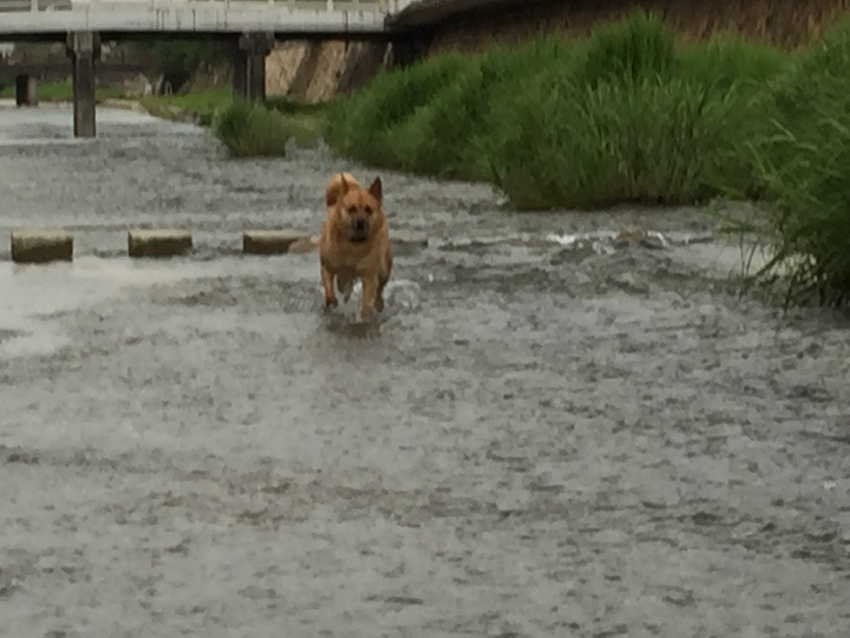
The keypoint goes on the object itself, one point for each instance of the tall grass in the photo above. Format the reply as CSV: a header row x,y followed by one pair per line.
x,y
627,115
252,130
632,115
804,163
643,141
200,105
367,125
639,48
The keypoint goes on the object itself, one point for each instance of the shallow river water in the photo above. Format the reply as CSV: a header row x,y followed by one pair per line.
x,y
541,437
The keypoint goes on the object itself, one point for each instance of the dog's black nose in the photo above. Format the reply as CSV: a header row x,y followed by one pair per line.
x,y
360,225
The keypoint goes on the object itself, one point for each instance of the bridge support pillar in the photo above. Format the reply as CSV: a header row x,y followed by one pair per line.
x,y
83,47
26,91
249,66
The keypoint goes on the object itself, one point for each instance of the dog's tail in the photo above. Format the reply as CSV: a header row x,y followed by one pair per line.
x,y
337,187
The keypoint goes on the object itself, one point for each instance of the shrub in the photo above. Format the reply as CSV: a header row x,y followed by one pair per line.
x,y
449,137
430,141
631,120
624,116
637,141
252,130
805,166
634,49
727,59
363,125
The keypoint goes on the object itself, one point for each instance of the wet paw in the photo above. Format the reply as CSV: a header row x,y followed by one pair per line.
x,y
331,303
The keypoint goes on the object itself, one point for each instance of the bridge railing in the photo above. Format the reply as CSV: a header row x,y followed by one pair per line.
x,y
330,6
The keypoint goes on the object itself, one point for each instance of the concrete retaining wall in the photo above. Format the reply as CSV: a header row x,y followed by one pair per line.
x,y
309,71
319,71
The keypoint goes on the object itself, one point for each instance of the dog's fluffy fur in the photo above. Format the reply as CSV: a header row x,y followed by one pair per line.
x,y
354,242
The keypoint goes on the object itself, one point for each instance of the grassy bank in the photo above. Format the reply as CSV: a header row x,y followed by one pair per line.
x,y
60,92
199,106
803,165
255,130
246,130
633,115
626,116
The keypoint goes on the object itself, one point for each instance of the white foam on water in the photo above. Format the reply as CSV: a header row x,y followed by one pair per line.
x,y
571,239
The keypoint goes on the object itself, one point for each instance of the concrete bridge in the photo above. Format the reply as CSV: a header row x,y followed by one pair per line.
x,y
113,19
251,25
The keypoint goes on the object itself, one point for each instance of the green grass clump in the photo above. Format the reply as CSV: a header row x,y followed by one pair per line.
x,y
638,48
665,128
366,126
245,129
450,135
804,162
200,105
252,130
62,91
628,115
648,142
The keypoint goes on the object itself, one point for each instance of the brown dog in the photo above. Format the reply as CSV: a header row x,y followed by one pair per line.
x,y
355,242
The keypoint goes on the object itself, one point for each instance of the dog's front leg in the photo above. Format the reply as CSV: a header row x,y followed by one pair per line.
x,y
370,294
345,284
328,285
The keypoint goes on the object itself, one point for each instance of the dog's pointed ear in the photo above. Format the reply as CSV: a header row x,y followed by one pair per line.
x,y
336,189
376,190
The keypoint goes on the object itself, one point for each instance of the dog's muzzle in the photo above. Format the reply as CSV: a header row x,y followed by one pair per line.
x,y
359,229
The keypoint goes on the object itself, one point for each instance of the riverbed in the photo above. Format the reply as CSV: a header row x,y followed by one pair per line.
x,y
547,433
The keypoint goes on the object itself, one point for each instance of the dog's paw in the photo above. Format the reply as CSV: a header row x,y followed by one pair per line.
x,y
330,304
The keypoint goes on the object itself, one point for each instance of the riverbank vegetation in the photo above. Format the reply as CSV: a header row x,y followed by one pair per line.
x,y
198,106
802,163
246,130
62,91
625,116
633,115
256,130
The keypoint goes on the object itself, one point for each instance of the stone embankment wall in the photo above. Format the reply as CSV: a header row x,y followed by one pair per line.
x,y
784,22
308,71
319,71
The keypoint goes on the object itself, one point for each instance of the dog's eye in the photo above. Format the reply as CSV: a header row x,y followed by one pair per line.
x,y
352,210
368,210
